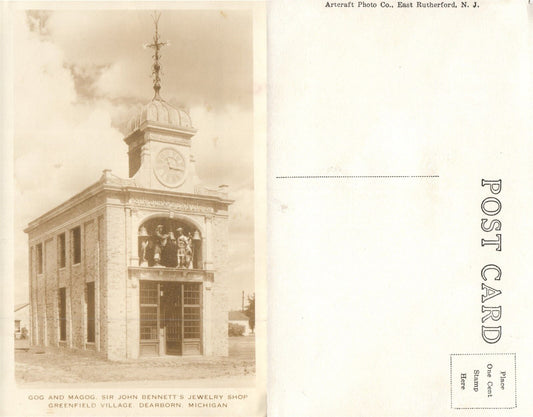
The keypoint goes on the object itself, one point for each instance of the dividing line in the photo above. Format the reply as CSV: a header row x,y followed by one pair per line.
x,y
353,176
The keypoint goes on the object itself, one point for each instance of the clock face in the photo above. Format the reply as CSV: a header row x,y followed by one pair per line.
x,y
170,167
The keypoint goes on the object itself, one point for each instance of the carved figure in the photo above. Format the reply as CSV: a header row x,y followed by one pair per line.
x,y
145,242
183,247
144,246
161,240
168,249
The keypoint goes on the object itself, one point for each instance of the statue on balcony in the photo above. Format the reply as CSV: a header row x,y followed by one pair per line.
x,y
164,248
144,242
184,250
161,241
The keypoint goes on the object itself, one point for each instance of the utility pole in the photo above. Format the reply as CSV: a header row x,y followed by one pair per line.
x,y
242,306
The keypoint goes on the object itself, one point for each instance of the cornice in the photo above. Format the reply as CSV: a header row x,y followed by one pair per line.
x,y
115,185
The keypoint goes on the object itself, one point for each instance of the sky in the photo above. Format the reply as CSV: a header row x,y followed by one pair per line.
x,y
80,75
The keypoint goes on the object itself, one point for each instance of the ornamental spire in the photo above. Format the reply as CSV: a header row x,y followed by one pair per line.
x,y
156,45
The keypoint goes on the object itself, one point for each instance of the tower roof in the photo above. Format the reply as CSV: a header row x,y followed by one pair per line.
x,y
160,112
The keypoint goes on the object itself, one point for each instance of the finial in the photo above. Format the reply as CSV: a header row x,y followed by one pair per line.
x,y
156,45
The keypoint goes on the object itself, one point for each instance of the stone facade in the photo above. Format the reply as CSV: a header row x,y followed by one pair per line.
x,y
47,275
86,273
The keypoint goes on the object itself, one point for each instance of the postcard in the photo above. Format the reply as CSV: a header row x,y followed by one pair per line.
x,y
372,196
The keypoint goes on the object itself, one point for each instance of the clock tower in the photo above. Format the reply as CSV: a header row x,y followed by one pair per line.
x,y
159,142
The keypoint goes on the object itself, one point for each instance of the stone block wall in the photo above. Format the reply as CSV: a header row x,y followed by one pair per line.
x,y
101,288
133,325
219,319
50,292
77,306
220,243
219,299
40,298
44,294
116,273
207,330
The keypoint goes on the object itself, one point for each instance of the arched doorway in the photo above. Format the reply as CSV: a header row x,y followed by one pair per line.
x,y
169,243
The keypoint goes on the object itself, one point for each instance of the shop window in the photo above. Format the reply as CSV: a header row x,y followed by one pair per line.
x,y
149,299
62,314
76,245
191,311
191,294
90,312
61,250
191,322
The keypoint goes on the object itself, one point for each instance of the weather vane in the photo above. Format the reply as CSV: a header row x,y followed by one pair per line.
x,y
156,45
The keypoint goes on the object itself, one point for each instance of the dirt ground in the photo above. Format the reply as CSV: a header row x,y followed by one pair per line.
x,y
54,365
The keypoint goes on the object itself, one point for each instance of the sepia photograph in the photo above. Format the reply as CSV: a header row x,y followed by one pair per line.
x,y
133,158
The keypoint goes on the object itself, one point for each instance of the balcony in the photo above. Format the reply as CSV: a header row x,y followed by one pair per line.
x,y
170,244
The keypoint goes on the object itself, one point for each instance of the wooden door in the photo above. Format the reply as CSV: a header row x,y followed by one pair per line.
x,y
171,317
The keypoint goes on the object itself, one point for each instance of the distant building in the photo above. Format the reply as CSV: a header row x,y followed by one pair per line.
x,y
238,317
136,266
22,319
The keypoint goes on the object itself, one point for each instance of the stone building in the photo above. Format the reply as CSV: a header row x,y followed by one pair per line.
x,y
136,266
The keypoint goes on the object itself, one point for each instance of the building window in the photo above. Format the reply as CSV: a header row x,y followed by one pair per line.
x,y
62,314
62,250
90,312
191,311
76,245
17,326
40,258
149,309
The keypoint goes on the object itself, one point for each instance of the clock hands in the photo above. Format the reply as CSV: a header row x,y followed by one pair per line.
x,y
173,164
